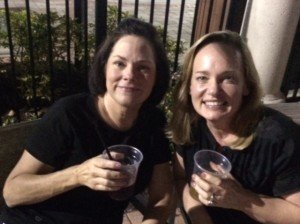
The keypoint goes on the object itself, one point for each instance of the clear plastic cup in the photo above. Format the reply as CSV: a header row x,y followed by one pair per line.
x,y
210,162
130,164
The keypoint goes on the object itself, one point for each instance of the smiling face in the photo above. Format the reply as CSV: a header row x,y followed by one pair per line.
x,y
130,71
217,83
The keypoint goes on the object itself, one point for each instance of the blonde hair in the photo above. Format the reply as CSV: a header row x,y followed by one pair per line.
x,y
185,117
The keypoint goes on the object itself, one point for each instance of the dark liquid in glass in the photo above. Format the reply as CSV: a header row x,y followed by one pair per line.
x,y
127,192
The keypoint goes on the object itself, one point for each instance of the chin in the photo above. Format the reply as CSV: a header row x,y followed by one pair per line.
x,y
130,104
213,117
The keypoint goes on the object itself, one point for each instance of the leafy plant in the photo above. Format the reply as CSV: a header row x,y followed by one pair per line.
x,y
60,82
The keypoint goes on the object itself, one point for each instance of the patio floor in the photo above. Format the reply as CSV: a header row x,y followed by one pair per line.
x,y
133,216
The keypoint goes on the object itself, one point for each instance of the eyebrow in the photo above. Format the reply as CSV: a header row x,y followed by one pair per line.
x,y
142,60
223,73
119,56
201,72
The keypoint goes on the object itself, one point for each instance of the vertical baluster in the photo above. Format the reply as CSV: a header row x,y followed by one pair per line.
x,y
32,65
50,49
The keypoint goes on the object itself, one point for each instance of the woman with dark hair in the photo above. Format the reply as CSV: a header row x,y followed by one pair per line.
x,y
218,107
62,176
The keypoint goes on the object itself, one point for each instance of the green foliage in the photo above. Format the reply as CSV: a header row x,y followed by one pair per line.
x,y
40,45
41,74
112,18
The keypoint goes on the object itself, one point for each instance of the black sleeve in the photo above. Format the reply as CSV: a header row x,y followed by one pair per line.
x,y
52,138
287,164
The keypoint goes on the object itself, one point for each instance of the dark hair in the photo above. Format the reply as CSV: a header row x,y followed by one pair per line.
x,y
131,26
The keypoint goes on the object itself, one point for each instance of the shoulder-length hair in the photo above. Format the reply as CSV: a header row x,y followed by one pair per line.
x,y
132,26
185,117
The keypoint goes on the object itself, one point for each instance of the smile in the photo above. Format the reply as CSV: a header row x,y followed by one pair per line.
x,y
215,103
128,88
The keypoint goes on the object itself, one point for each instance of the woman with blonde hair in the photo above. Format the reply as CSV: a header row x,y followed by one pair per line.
x,y
218,107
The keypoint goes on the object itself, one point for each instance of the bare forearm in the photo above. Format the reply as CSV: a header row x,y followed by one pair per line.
x,y
195,210
30,188
269,210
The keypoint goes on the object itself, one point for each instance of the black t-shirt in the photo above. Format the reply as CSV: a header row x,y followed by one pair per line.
x,y
67,136
268,166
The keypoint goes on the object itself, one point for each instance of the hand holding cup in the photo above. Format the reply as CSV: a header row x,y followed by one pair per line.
x,y
212,163
130,158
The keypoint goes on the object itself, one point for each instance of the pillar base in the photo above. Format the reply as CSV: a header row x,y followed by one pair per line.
x,y
273,98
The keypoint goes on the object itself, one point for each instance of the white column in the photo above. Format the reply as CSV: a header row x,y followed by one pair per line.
x,y
270,29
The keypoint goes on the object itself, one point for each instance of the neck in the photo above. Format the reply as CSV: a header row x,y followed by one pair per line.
x,y
227,137
118,117
222,133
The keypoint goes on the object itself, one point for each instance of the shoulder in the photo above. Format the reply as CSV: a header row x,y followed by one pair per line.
x,y
276,125
69,105
72,101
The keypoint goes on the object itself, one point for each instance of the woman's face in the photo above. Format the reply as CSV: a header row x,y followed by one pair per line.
x,y
130,71
217,83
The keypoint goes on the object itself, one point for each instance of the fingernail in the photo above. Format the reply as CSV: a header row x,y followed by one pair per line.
x,y
118,165
203,175
193,177
193,184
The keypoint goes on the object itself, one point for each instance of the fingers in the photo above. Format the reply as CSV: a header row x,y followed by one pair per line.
x,y
207,186
117,156
99,173
208,178
102,161
216,191
218,169
103,184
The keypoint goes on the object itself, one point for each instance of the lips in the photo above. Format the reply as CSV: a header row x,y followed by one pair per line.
x,y
128,88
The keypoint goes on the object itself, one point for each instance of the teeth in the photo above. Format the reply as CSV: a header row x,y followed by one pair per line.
x,y
214,103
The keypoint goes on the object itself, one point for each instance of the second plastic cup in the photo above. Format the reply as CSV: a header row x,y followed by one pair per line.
x,y
210,162
130,164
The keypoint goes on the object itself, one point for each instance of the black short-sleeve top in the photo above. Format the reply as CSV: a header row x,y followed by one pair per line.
x,y
268,166
67,136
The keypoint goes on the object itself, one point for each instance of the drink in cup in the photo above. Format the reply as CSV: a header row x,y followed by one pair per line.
x,y
210,162
132,157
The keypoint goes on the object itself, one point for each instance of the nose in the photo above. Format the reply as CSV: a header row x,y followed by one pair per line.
x,y
128,72
213,88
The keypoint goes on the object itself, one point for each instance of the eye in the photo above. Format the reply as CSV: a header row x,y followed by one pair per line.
x,y
230,78
119,64
201,78
144,68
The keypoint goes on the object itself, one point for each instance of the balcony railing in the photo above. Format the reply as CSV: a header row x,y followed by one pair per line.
x,y
46,47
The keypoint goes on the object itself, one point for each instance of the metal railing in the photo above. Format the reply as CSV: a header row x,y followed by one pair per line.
x,y
66,73
72,62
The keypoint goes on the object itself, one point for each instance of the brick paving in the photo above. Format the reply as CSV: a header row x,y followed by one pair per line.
x,y
133,216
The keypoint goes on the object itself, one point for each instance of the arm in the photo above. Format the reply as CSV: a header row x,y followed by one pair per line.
x,y
160,195
32,181
194,208
230,194
272,210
